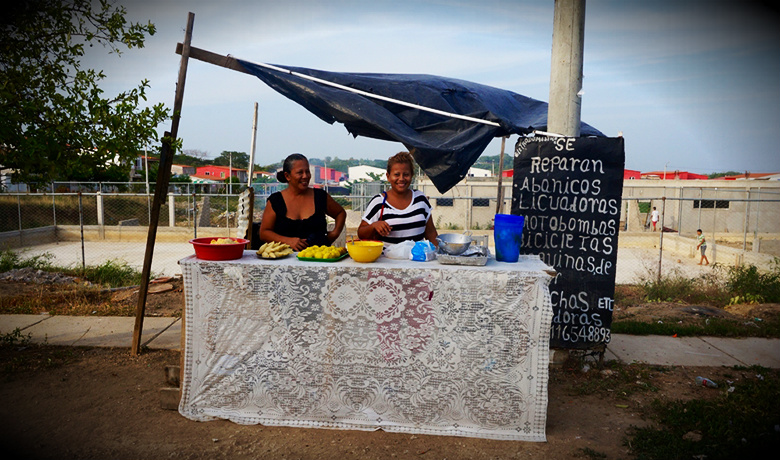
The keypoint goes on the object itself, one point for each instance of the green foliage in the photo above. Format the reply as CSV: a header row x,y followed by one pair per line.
x,y
644,207
675,286
754,285
715,175
10,260
189,158
377,177
736,424
15,338
723,286
239,160
56,120
111,273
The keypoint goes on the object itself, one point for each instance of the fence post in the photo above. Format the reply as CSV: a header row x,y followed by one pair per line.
x,y
714,222
661,244
53,207
100,215
701,195
81,227
756,240
194,215
19,217
171,211
747,220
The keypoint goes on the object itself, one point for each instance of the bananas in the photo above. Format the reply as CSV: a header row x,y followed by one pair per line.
x,y
223,241
274,250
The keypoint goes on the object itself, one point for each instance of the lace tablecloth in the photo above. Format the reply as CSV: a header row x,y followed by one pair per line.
x,y
404,346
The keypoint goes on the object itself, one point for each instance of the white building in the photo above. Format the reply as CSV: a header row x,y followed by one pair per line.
x,y
479,172
361,172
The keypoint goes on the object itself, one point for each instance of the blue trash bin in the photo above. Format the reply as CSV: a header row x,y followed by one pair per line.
x,y
508,235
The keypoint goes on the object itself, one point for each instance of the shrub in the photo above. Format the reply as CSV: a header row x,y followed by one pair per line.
x,y
749,282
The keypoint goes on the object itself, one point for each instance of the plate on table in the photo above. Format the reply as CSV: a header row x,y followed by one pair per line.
x,y
312,259
273,258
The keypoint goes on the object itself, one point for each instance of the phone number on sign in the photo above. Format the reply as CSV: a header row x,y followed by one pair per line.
x,y
570,333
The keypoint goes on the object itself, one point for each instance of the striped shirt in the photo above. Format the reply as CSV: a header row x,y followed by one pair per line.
x,y
407,224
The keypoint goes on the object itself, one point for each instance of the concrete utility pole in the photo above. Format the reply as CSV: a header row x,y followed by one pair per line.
x,y
563,114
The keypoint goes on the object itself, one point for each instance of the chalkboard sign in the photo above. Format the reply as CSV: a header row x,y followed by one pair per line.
x,y
569,190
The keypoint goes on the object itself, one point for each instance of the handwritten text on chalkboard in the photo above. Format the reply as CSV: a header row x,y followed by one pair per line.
x,y
569,190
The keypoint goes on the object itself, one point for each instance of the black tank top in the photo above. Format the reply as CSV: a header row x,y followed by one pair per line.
x,y
314,228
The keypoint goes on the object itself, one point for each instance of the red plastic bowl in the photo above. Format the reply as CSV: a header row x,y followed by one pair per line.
x,y
207,251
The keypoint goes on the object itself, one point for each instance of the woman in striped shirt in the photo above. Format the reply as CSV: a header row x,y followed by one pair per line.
x,y
400,213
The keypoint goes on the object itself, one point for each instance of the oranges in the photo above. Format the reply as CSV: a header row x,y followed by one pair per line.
x,y
322,252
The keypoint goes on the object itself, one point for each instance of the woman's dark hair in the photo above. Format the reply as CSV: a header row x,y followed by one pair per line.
x,y
287,166
401,158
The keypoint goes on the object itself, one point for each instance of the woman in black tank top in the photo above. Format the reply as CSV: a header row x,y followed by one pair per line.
x,y
296,215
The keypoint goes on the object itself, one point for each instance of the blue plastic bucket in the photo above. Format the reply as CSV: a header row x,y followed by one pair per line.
x,y
508,235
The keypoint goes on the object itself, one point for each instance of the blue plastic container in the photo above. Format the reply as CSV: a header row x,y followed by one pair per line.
x,y
508,235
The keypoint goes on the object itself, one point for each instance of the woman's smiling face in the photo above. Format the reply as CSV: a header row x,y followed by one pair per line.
x,y
299,175
400,177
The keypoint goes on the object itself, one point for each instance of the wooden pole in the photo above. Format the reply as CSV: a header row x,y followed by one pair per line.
x,y
250,190
161,188
563,113
500,194
252,149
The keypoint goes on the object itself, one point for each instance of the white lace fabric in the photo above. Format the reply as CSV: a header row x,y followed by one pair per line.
x,y
395,345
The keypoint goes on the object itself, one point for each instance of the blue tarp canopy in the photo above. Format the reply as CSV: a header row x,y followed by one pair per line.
x,y
443,145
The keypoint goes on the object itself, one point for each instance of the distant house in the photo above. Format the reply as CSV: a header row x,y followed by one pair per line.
x,y
631,174
258,174
321,174
753,176
673,175
6,184
508,173
183,170
479,172
141,161
356,173
220,173
204,179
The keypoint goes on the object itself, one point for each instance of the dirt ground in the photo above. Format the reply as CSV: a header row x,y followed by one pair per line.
x,y
78,403
97,403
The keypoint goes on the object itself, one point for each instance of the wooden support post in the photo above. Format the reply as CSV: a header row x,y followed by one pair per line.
x,y
500,194
161,189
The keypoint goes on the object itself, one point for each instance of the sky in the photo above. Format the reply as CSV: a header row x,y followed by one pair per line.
x,y
692,85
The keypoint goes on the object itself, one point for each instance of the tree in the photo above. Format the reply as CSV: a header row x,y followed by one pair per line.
x,y
715,175
240,160
56,118
190,160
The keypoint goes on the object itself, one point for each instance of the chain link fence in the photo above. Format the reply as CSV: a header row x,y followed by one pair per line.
x,y
89,223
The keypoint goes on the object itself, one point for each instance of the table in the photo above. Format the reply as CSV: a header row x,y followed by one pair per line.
x,y
414,347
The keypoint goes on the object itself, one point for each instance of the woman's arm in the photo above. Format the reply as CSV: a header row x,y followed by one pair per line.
x,y
430,232
268,234
337,212
373,231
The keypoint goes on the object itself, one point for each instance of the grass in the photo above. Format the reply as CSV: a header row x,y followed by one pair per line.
x,y
723,286
79,299
741,422
712,327
110,273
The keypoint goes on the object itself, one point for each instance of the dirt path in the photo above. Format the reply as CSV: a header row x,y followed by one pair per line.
x,y
79,403
68,403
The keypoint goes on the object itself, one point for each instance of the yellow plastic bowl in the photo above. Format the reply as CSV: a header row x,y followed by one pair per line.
x,y
365,251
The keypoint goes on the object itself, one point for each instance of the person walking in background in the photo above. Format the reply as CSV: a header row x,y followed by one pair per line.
x,y
654,217
703,246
